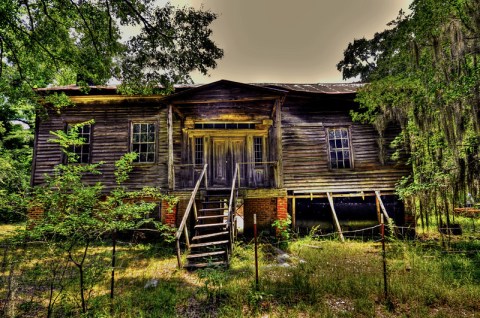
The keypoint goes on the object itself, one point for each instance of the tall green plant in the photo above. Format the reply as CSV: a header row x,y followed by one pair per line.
x,y
77,214
425,77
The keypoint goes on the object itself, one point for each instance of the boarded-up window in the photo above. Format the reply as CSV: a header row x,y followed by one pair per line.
x,y
82,152
144,141
340,154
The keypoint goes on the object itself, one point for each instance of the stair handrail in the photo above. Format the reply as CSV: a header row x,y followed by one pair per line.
x,y
182,227
231,207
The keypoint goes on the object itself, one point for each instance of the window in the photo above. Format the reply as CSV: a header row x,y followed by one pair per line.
x,y
143,142
339,148
198,151
258,149
82,152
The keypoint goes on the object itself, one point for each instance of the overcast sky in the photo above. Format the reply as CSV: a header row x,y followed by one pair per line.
x,y
289,41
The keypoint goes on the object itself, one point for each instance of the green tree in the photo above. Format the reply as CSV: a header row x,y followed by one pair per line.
x,y
60,42
77,214
424,75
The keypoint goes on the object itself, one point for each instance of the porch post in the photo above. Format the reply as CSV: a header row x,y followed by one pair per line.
x,y
278,140
171,176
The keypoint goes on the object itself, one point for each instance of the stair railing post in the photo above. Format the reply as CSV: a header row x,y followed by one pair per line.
x,y
187,241
183,224
206,176
179,256
195,214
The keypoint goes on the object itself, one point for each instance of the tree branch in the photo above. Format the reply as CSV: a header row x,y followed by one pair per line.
x,y
148,26
30,18
94,41
110,31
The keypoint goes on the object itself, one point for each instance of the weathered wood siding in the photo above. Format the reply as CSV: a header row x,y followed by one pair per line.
x,y
305,149
110,140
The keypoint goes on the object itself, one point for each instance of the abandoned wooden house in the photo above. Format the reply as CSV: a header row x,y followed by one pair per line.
x,y
283,149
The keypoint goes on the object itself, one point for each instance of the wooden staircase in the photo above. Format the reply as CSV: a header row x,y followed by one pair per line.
x,y
215,226
211,244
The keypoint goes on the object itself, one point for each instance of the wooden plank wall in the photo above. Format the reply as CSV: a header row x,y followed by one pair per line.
x,y
110,140
224,92
305,150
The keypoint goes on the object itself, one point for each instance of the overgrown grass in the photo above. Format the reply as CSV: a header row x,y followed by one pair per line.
x,y
322,279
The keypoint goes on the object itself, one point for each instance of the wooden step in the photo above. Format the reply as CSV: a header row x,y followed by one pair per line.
x,y
221,196
212,202
203,265
216,253
213,210
204,236
206,226
206,217
208,244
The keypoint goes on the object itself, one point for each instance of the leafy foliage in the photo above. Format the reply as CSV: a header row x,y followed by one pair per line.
x,y
424,76
56,42
76,214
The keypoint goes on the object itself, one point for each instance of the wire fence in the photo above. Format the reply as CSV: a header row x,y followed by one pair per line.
x,y
35,275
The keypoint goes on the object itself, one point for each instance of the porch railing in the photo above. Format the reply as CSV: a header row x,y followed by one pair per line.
x,y
232,205
184,175
183,229
263,166
263,174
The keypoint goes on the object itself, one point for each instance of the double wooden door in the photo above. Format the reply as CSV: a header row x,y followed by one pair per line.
x,y
226,153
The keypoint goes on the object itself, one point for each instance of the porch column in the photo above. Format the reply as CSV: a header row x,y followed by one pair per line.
x,y
171,172
278,140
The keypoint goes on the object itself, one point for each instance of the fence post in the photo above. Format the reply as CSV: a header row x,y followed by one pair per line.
x,y
256,249
384,256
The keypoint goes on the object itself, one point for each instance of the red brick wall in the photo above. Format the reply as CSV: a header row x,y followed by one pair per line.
x,y
267,209
169,217
282,209
33,214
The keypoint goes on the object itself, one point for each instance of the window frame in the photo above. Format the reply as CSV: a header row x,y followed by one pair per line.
x,y
196,150
262,150
341,149
155,141
68,126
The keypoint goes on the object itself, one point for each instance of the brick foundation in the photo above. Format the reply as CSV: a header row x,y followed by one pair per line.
x,y
267,209
33,215
169,214
282,209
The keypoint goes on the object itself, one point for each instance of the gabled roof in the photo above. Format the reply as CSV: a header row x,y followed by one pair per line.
x,y
236,91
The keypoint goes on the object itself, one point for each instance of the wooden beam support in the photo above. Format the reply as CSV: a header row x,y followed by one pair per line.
x,y
278,140
294,212
335,219
377,194
313,195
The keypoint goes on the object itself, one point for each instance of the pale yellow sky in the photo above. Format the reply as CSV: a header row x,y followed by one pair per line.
x,y
289,41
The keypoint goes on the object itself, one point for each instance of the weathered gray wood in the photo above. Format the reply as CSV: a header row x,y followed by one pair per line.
x,y
210,217
294,216
110,140
305,148
379,198
335,218
210,225
278,140
189,205
203,265
171,173
208,244
210,235
209,254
